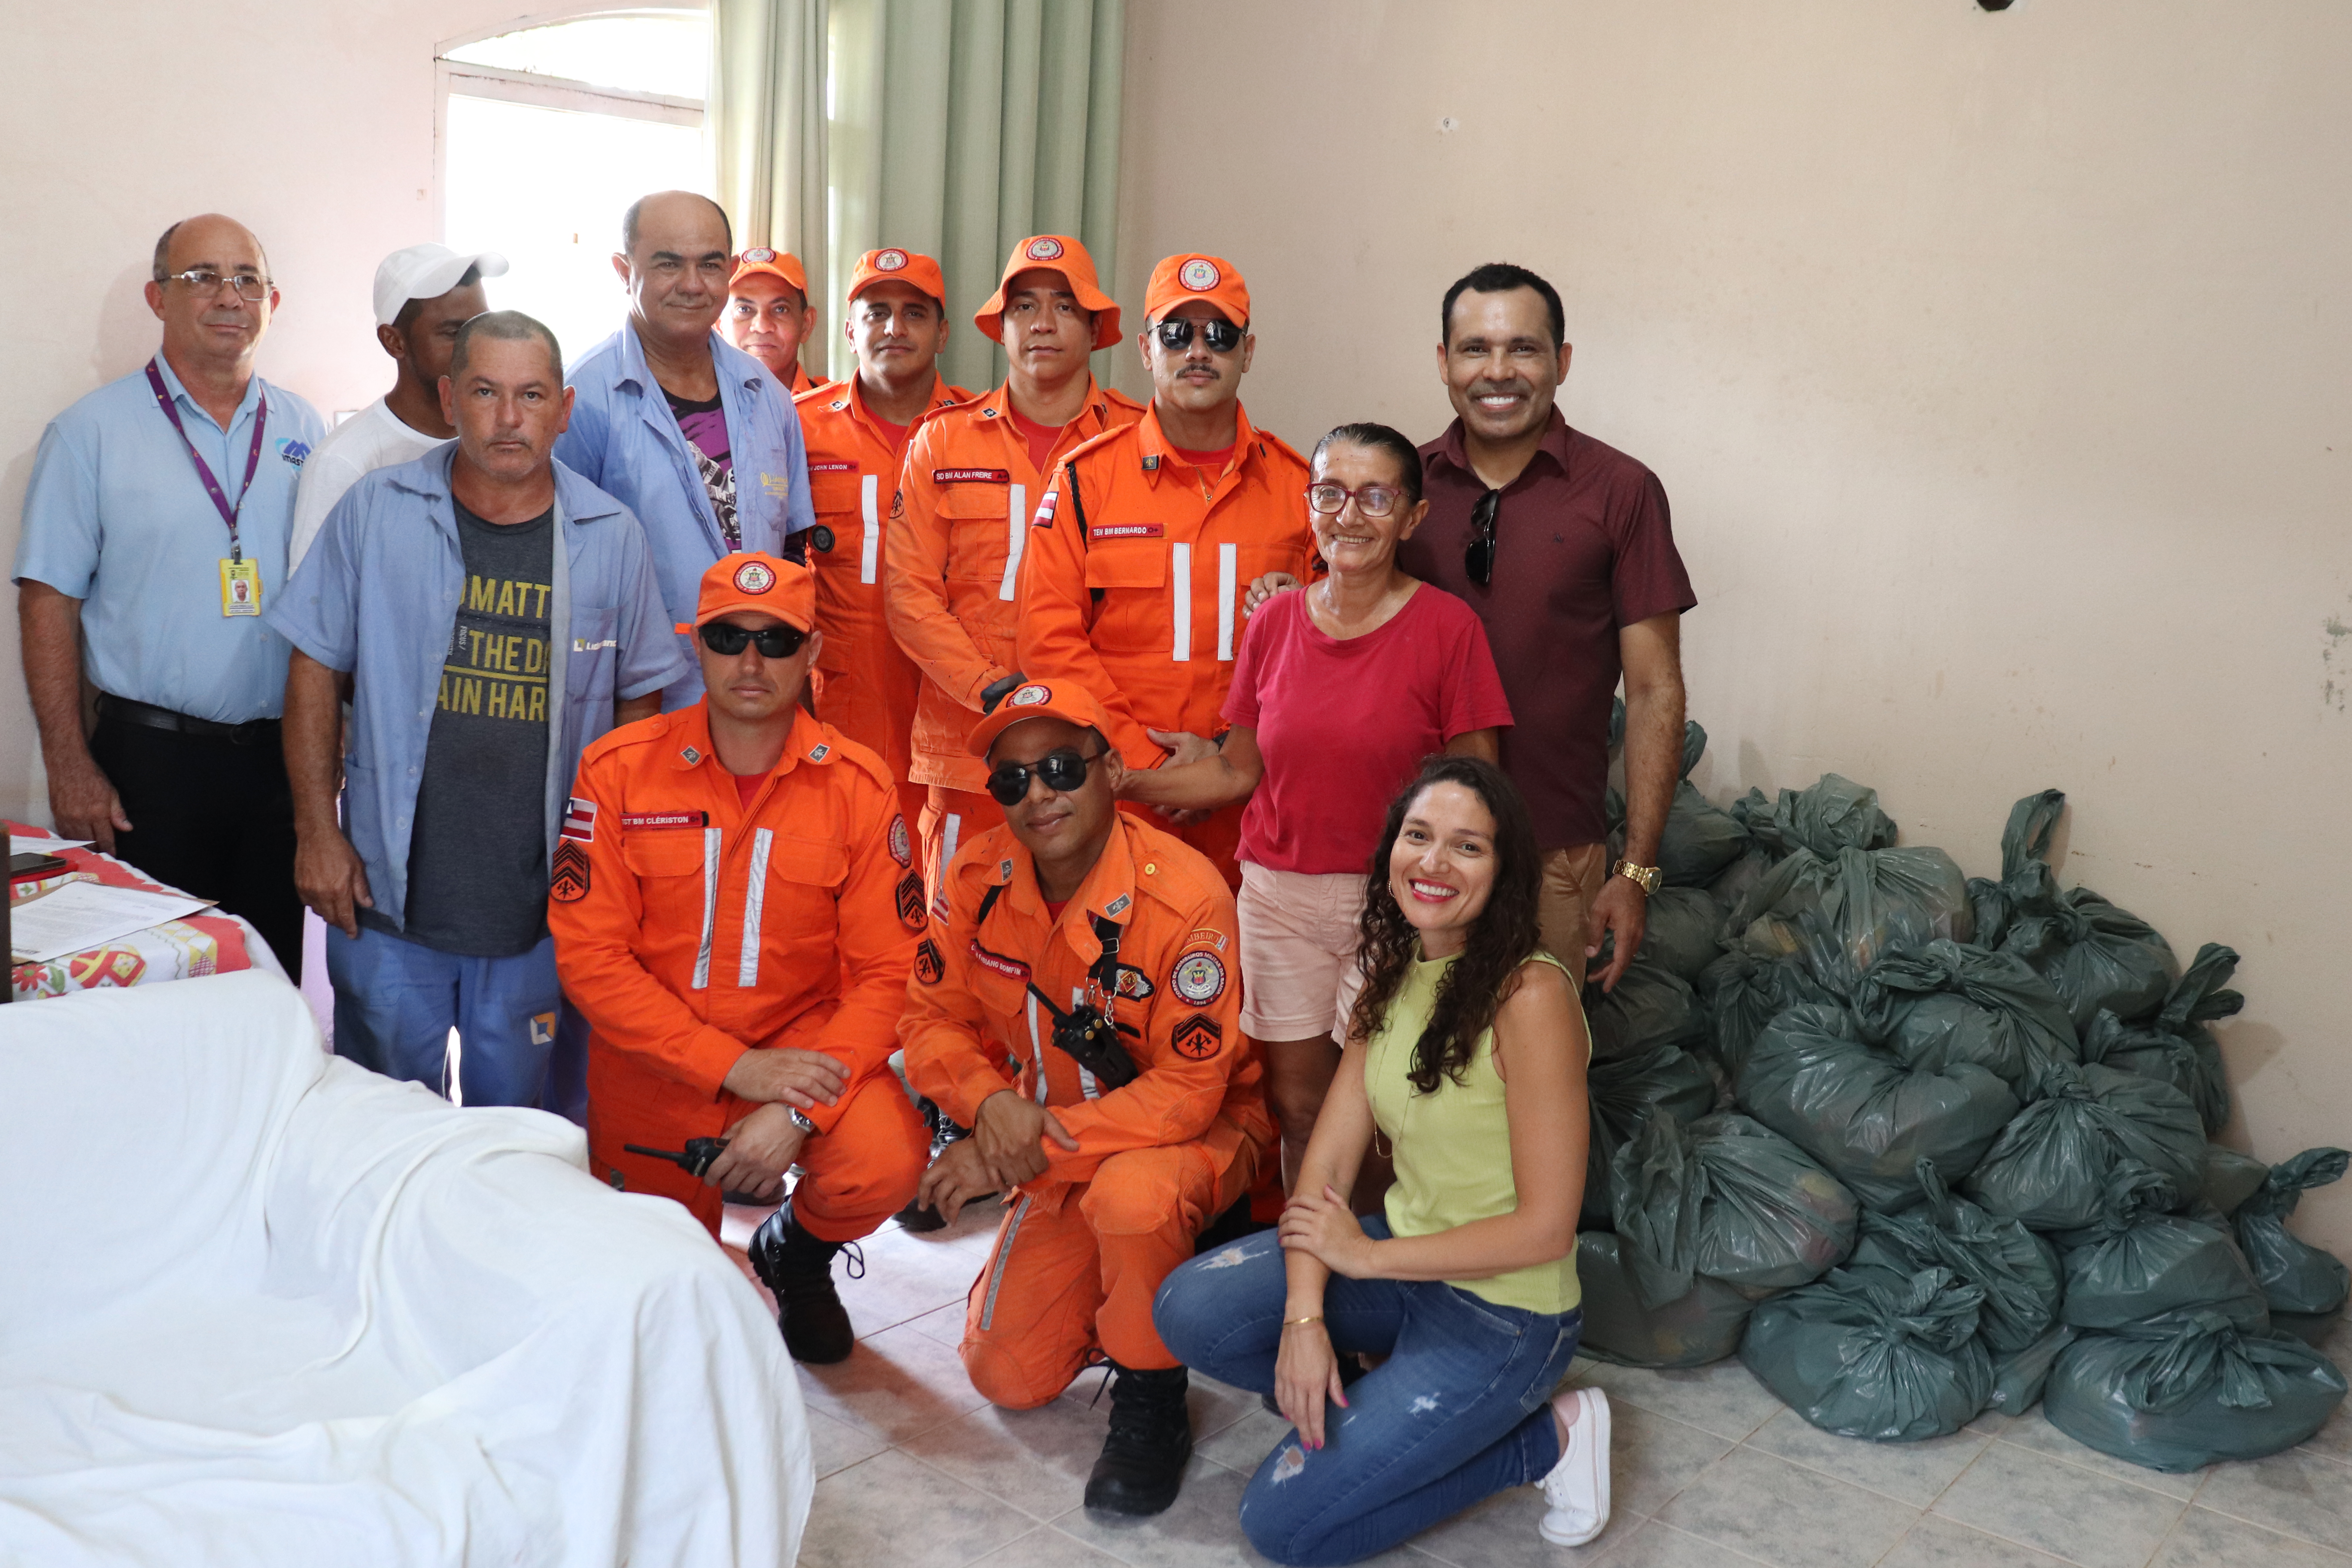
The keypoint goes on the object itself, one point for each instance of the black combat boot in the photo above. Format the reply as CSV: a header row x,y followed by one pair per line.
x,y
920,1217
1143,1462
798,1268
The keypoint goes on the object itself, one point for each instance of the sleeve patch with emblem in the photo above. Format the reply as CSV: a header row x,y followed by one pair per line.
x,y
910,900
1046,509
1206,936
579,820
928,963
567,873
1198,1037
1198,978
902,848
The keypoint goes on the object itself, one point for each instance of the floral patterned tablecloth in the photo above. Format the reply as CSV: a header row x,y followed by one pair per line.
x,y
175,950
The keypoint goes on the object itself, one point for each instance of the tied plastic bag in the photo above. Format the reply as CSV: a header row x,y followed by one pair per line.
x,y
1945,1003
1732,884
2179,1396
2295,1276
1697,839
1679,935
2051,1165
1702,1325
1619,1091
1727,1198
1845,913
1833,815
1744,992
2230,1178
2018,1377
2175,1045
1862,1112
1650,1007
1870,1353
2016,1269
2026,884
2137,1263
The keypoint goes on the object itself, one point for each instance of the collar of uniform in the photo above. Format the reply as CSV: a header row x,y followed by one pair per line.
x,y
855,400
1108,889
727,361
428,478
179,394
998,404
1448,447
691,746
1157,450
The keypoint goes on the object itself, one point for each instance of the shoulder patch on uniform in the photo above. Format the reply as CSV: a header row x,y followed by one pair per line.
x,y
902,847
579,820
1134,985
1205,936
942,907
898,505
1011,968
1198,978
1119,905
910,900
930,964
1044,516
567,873
1198,1037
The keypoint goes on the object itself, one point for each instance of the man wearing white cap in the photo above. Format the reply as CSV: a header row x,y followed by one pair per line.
x,y
423,295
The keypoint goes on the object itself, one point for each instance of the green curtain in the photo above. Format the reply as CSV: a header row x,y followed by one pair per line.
x,y
954,127
766,123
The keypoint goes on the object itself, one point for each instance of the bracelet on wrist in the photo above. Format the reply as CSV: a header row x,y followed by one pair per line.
x,y
1295,1322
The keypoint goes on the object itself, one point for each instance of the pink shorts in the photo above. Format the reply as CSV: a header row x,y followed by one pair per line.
x,y
1299,952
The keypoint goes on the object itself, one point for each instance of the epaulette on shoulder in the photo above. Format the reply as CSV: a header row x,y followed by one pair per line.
x,y
652,730
825,389
1284,449
833,746
1094,443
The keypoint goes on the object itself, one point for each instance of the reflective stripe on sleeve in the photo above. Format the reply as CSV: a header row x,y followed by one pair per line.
x,y
755,898
869,550
1016,525
709,907
1180,601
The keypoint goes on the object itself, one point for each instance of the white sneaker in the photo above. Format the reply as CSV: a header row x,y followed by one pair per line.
x,y
1578,1487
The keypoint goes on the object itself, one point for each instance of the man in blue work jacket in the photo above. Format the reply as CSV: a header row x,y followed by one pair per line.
x,y
697,437
154,536
488,613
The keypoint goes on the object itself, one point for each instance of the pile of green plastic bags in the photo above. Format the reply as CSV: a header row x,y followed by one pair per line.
x,y
1914,1146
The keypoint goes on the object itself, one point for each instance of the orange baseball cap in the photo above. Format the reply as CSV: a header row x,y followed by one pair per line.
x,y
1041,700
756,580
895,265
1193,276
780,264
1054,253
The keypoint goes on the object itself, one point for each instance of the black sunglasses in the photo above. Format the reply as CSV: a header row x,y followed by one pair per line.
x,y
1480,559
726,639
1060,772
1221,336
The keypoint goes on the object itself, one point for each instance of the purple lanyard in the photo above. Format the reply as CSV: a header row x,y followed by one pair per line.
x,y
203,470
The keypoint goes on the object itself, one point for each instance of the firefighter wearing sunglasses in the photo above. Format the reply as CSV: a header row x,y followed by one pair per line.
x,y
1099,950
736,908
1146,546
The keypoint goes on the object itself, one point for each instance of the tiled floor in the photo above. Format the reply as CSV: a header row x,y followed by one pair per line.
x,y
915,1471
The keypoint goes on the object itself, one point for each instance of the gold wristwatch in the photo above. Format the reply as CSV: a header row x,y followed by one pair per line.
x,y
1646,877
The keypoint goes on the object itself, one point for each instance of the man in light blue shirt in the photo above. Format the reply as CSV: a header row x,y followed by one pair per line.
x,y
488,613
154,538
693,435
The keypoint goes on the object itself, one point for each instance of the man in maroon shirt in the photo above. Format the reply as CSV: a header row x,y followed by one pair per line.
x,y
1563,547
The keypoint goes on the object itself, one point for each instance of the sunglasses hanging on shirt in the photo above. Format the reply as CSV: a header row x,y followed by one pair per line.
x,y
1480,559
1176,335
726,639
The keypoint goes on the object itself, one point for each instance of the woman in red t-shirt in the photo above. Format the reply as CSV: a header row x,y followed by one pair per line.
x,y
1340,688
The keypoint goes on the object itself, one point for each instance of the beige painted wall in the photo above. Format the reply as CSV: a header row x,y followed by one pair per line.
x,y
1995,366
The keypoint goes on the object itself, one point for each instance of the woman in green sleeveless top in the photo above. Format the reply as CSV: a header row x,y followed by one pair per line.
x,y
1466,1056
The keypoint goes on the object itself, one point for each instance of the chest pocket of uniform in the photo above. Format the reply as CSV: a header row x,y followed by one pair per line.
x,y
981,524
808,862
834,494
1138,617
664,852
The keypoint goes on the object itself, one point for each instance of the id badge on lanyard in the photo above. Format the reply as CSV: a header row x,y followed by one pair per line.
x,y
240,579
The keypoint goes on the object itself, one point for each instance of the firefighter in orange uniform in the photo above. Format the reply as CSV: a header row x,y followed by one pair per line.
x,y
735,910
1100,949
1148,539
768,314
856,433
973,477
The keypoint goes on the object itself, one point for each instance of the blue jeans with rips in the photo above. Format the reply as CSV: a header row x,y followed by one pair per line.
x,y
1459,1411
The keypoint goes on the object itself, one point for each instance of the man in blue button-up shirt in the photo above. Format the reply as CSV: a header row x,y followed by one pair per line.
x,y
155,535
488,613
693,435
